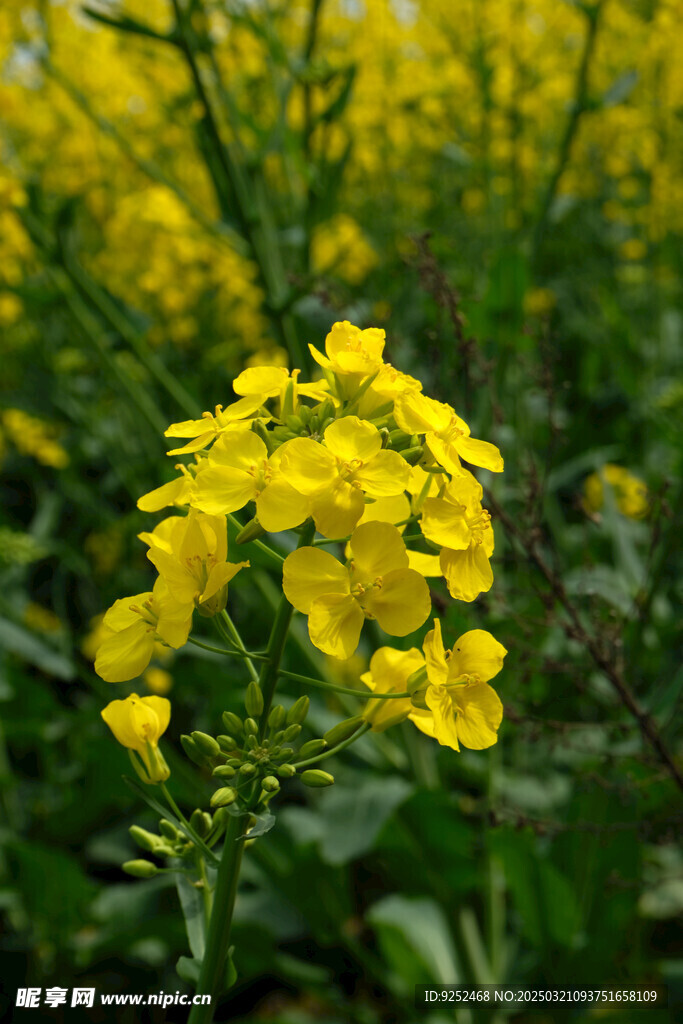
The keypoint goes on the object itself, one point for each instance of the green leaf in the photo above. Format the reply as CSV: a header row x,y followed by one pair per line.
x,y
415,936
353,817
24,644
188,970
193,912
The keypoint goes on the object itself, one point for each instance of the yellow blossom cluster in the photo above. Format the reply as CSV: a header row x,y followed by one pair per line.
x,y
629,491
355,458
34,437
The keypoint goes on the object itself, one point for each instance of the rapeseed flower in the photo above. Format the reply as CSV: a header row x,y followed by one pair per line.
x,y
138,723
446,435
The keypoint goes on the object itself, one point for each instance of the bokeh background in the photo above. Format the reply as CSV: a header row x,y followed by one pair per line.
x,y
194,186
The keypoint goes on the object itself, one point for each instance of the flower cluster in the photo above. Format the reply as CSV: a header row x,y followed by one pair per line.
x,y
348,461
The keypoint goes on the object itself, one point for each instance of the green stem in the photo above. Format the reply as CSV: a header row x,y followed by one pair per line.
x,y
196,839
212,974
237,640
278,637
335,750
275,555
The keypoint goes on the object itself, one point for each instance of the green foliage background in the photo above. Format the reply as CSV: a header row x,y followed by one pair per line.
x,y
549,860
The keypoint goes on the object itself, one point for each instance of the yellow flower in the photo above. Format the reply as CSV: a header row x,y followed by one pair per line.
x,y
385,388
352,354
459,705
210,426
175,492
335,474
138,723
630,493
132,627
264,382
451,699
462,528
190,555
158,680
238,470
377,583
447,435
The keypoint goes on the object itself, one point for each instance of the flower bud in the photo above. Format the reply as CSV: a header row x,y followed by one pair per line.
x,y
233,723
311,748
252,531
140,868
247,770
224,771
200,822
291,733
276,718
342,731
251,727
205,743
168,830
224,797
193,751
413,455
286,771
316,779
270,784
253,701
144,839
298,711
227,744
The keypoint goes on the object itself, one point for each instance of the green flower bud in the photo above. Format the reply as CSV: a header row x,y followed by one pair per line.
x,y
252,531
205,743
342,731
413,455
233,723
247,770
227,743
311,748
252,742
286,771
140,868
295,423
291,733
253,701
224,797
298,711
276,718
168,830
270,784
284,753
193,751
305,414
198,821
317,779
224,771
251,727
146,840
399,439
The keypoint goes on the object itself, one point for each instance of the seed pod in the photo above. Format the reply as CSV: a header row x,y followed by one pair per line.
x,y
224,797
270,784
205,743
253,700
193,751
317,779
311,748
298,711
140,868
342,731
291,733
233,723
224,771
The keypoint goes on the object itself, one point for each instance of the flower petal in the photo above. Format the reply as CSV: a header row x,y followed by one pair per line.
x,y
376,549
402,603
309,466
126,654
281,507
480,713
309,573
338,509
384,475
334,624
439,703
479,453
476,653
435,655
468,573
352,438
445,523
220,489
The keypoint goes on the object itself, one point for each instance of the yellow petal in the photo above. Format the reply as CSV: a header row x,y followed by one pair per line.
x,y
174,624
337,509
239,448
182,584
435,655
480,713
196,445
121,614
308,466
219,490
468,573
260,380
439,703
219,576
426,565
387,510
415,413
384,475
445,523
444,453
352,438
334,624
175,492
162,709
376,549
309,573
126,654
479,453
281,507
476,653
118,717
189,428
402,603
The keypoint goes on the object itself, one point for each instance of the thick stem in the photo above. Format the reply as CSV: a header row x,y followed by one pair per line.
x,y
212,974
278,637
